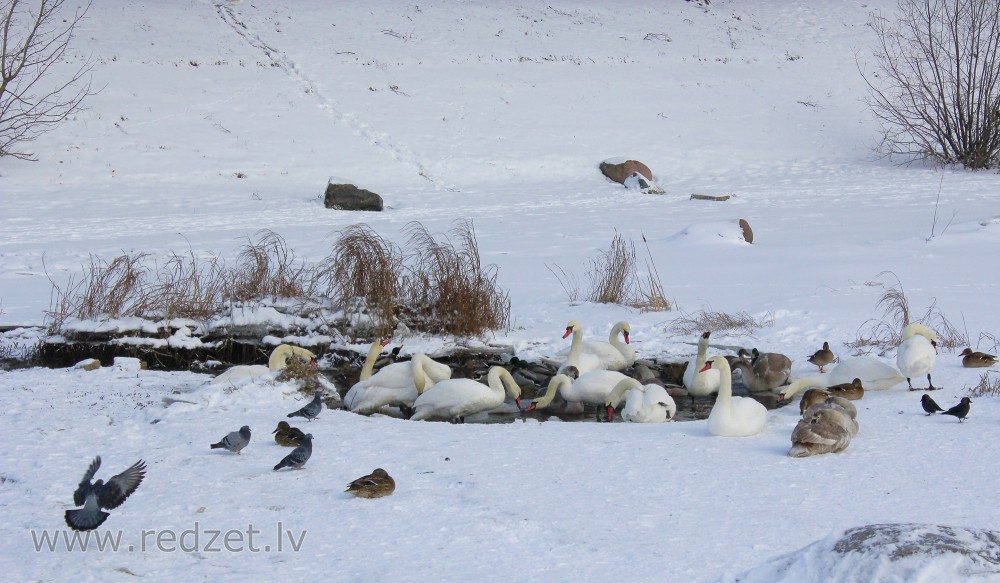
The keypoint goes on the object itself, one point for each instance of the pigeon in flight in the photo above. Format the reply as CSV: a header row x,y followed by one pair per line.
x,y
101,494
961,410
929,405
235,440
311,410
299,456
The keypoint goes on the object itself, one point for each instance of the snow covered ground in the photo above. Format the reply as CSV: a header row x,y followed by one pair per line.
x,y
219,119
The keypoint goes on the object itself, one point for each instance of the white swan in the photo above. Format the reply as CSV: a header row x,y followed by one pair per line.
x,y
583,361
916,353
396,384
613,354
590,388
699,380
874,374
277,361
643,403
455,399
733,416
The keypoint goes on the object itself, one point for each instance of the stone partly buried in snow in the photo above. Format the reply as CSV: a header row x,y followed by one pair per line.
x,y
887,552
632,174
347,197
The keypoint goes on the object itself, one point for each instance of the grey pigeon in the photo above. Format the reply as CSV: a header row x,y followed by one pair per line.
x,y
311,410
961,410
299,456
235,440
94,497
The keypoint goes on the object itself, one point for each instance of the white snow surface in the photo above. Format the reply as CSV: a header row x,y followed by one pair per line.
x,y
216,120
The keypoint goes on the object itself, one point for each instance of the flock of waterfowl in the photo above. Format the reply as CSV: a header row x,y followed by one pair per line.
x,y
589,373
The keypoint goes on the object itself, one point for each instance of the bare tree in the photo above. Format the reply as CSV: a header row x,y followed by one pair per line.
x,y
936,85
35,95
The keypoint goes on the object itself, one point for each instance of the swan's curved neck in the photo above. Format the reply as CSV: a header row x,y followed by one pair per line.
x,y
616,332
702,355
801,384
369,367
550,393
620,389
500,380
279,357
419,374
576,347
725,398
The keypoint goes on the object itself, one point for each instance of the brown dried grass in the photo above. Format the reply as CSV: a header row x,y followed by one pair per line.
x,y
267,268
107,289
189,287
739,324
986,386
883,334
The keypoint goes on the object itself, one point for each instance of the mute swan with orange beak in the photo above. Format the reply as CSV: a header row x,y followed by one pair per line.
x,y
916,354
397,384
733,416
456,399
643,403
701,380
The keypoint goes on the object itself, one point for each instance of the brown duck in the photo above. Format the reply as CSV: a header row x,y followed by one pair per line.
x,y
812,397
851,391
375,485
972,359
822,357
287,435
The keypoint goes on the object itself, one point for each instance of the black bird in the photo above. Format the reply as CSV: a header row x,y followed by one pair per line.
x,y
299,456
311,410
234,441
94,497
961,410
929,405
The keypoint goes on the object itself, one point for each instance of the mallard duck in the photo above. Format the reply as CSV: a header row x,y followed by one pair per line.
x,y
375,485
822,357
972,359
287,435
812,397
851,391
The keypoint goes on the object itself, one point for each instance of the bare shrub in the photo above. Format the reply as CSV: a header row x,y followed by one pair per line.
x,y
448,289
188,287
613,279
740,323
267,268
936,85
986,386
883,334
364,275
33,99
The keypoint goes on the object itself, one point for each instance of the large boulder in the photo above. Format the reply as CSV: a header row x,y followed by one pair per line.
x,y
622,170
348,197
884,553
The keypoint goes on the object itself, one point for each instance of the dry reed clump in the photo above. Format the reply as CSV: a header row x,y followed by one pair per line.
x,y
301,370
884,334
364,275
448,289
189,287
740,323
986,386
267,268
106,289
613,279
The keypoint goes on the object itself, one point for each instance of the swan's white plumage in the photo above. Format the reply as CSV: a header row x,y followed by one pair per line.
x,y
592,387
734,416
643,403
396,384
611,355
875,375
277,361
457,398
701,383
583,361
917,352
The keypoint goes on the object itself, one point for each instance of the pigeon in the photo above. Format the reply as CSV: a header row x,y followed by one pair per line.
x,y
287,435
375,485
94,497
961,410
235,440
929,405
299,456
311,410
